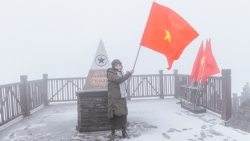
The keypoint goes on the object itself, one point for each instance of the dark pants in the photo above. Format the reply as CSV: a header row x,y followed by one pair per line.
x,y
118,121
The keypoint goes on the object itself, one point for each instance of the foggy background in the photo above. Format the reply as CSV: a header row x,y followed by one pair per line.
x,y
60,37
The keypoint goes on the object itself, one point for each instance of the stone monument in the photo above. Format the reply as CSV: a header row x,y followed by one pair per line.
x,y
92,101
97,77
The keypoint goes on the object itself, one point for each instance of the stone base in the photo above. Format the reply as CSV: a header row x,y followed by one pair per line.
x,y
92,110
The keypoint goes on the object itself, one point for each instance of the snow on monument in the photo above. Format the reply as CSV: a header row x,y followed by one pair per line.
x,y
97,76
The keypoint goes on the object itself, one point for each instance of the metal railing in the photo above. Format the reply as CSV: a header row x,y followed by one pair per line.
x,y
64,89
20,98
10,102
36,93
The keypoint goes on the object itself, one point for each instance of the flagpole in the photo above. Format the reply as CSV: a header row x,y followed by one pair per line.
x,y
134,64
137,56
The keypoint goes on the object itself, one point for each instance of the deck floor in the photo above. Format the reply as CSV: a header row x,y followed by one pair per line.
x,y
149,120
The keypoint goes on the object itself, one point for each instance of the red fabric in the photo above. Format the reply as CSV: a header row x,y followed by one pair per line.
x,y
198,64
160,21
210,67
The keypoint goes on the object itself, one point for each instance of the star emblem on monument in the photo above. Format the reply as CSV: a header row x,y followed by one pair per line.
x,y
101,60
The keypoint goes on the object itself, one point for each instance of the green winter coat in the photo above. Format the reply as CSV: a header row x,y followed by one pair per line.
x,y
116,104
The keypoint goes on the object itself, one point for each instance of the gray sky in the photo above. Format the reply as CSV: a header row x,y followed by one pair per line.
x,y
60,37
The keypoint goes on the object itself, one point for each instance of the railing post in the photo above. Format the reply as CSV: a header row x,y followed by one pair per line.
x,y
45,89
161,84
226,94
128,88
176,84
24,95
235,103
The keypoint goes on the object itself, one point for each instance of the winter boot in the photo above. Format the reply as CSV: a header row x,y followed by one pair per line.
x,y
124,132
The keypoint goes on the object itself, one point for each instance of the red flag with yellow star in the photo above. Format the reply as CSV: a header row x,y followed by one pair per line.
x,y
167,33
198,65
211,66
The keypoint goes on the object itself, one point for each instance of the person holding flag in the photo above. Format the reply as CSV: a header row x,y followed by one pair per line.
x,y
117,93
166,32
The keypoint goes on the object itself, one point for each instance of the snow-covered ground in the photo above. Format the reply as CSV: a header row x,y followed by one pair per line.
x,y
149,120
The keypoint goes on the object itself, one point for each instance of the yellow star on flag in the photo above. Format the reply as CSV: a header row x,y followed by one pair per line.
x,y
168,36
203,60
